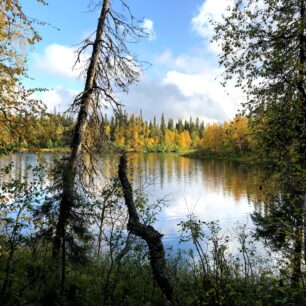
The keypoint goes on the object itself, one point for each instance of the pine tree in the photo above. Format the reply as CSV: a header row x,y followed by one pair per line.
x,y
170,125
163,124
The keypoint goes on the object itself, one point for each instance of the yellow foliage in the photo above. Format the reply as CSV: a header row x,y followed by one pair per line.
x,y
169,138
150,142
213,137
107,130
184,140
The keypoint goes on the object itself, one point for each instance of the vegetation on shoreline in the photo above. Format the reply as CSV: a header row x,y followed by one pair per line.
x,y
132,133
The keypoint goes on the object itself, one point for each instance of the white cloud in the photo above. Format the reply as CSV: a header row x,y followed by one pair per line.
x,y
195,78
148,27
184,62
58,60
209,10
196,75
58,98
155,97
189,87
213,99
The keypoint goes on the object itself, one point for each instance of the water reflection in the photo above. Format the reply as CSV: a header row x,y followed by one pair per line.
x,y
213,190
280,219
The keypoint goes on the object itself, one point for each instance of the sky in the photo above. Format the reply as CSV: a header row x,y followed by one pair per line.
x,y
183,79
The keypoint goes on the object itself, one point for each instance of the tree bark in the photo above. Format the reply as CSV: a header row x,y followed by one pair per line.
x,y
301,87
70,172
146,232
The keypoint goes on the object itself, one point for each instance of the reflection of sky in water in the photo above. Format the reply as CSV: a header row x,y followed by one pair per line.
x,y
212,190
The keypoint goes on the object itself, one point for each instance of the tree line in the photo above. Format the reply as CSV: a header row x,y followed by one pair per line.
x,y
221,139
132,132
47,131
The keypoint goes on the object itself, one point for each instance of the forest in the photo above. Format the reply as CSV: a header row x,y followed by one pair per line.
x,y
84,214
228,139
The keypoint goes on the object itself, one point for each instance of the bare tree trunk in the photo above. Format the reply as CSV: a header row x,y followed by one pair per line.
x,y
301,87
146,232
297,255
66,203
101,229
87,94
304,230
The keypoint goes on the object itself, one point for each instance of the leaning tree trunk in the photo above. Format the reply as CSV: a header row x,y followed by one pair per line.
x,y
66,203
146,232
302,76
302,123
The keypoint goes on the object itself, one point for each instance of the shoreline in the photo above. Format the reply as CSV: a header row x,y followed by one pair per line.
x,y
183,152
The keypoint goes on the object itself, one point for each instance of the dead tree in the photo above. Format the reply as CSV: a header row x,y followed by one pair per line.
x,y
147,233
110,68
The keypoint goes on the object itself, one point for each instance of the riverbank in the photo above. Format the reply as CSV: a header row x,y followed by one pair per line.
x,y
184,152
189,152
202,154
124,277
44,150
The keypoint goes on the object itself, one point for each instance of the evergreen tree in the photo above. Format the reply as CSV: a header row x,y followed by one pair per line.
x,y
186,126
170,125
180,126
192,127
163,124
197,125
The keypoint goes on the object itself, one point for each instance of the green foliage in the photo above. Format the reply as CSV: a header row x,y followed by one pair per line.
x,y
47,131
228,139
232,138
266,53
18,108
264,48
19,200
121,276
219,277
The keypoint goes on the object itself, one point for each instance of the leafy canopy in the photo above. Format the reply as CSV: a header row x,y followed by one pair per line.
x,y
17,33
263,49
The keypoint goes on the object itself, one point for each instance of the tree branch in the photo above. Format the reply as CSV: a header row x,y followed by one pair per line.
x,y
147,233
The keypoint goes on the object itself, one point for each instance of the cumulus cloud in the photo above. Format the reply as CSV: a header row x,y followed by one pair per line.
x,y
196,77
155,97
184,62
209,10
58,98
215,101
148,27
188,88
58,60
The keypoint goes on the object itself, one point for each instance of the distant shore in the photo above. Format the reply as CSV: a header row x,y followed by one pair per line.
x,y
201,154
184,152
44,150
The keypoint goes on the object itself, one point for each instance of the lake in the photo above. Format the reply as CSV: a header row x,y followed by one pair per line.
x,y
211,189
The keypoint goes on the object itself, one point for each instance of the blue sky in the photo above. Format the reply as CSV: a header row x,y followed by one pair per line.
x,y
182,79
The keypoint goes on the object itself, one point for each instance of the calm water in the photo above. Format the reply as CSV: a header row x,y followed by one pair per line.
x,y
212,190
